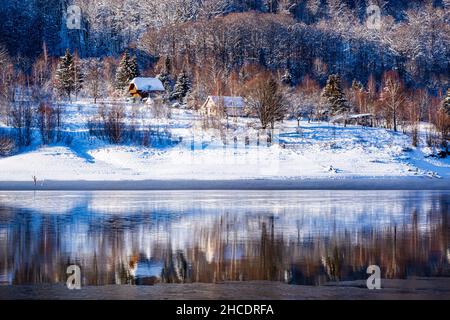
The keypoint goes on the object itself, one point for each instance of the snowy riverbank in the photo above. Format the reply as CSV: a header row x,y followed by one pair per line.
x,y
183,155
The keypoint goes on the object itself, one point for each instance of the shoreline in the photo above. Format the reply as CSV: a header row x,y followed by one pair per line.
x,y
351,183
408,289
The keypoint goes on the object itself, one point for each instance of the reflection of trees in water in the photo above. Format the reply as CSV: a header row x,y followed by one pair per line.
x,y
37,252
400,251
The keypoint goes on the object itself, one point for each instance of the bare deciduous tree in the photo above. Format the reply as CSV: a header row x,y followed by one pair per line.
x,y
46,122
392,97
21,119
305,100
93,77
266,100
113,121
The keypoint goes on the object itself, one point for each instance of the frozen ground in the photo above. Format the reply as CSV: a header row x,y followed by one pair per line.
x,y
318,151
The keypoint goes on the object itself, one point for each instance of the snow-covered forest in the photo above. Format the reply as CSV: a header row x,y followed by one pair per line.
x,y
306,37
331,81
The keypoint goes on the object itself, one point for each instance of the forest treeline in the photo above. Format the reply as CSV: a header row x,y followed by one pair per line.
x,y
314,37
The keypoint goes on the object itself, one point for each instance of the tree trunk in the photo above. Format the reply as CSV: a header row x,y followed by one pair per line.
x,y
395,121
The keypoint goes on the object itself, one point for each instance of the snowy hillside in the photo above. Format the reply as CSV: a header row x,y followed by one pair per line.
x,y
316,150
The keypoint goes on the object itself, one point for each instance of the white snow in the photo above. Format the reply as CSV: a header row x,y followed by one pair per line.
x,y
316,150
148,84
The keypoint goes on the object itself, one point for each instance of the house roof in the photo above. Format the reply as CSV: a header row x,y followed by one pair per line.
x,y
363,115
228,102
351,116
148,84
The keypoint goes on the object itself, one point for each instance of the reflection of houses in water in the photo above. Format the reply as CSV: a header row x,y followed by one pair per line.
x,y
143,271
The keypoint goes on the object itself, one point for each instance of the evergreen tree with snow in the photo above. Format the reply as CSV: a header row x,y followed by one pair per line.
x,y
446,103
65,75
182,86
166,80
134,68
333,96
165,76
127,71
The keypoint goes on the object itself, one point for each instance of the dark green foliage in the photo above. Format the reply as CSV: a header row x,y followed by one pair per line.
x,y
182,86
65,75
127,71
333,96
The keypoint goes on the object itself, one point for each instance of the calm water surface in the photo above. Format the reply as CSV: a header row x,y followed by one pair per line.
x,y
298,237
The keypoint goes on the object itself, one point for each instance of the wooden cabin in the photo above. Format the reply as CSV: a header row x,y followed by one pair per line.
x,y
224,106
141,88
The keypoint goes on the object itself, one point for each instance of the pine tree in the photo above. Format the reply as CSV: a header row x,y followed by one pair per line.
x,y
122,77
65,74
167,81
127,71
134,68
182,86
446,103
165,76
333,96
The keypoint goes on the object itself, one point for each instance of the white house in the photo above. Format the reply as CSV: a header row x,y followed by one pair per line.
x,y
143,87
223,105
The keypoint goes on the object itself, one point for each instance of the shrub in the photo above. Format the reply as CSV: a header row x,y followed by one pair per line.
x,y
7,146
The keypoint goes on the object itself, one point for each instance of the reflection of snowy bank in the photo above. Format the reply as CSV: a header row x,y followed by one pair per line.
x,y
348,207
45,202
174,216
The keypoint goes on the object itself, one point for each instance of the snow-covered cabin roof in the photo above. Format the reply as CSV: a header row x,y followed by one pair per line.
x,y
228,102
147,84
363,115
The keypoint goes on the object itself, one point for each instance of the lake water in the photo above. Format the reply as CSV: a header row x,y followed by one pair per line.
x,y
298,237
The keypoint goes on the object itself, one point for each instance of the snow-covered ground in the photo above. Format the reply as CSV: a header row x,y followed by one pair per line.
x,y
316,151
